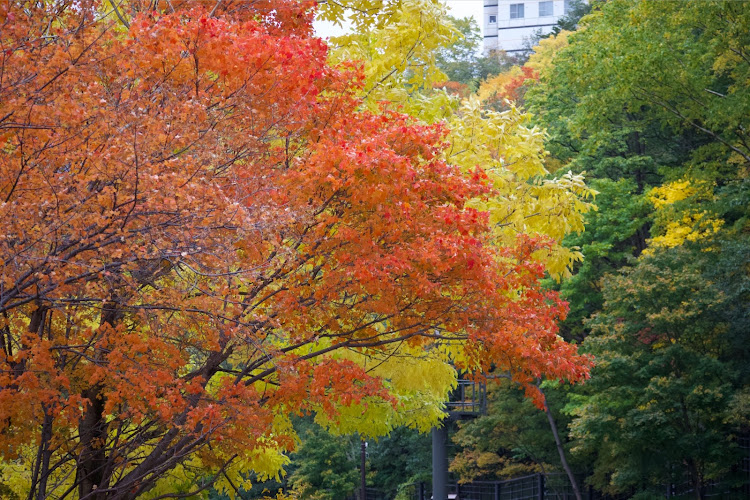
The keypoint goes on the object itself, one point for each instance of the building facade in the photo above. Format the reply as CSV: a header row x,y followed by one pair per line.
x,y
509,24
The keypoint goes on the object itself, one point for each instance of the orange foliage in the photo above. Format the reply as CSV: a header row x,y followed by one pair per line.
x,y
455,88
197,215
512,90
510,86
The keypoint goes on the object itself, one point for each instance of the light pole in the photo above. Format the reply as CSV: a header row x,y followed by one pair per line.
x,y
439,463
468,400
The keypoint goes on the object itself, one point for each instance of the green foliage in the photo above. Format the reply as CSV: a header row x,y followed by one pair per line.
x,y
660,396
402,457
727,268
461,60
512,439
651,100
576,10
457,60
601,121
614,234
325,466
684,64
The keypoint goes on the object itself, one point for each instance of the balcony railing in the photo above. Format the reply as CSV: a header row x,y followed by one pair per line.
x,y
468,399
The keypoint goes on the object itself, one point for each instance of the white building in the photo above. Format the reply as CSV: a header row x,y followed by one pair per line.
x,y
509,23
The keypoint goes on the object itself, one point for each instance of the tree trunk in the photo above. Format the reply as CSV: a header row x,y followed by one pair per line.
x,y
93,434
92,473
40,470
696,479
561,450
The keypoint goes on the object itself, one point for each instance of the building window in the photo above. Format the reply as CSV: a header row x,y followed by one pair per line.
x,y
516,11
567,7
493,19
545,9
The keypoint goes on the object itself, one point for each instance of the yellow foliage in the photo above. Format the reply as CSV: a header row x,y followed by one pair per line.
x,y
676,224
420,383
672,192
525,199
397,42
541,59
470,465
692,227
266,462
16,476
283,495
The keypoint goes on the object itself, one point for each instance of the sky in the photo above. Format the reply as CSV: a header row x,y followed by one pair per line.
x,y
458,8
467,8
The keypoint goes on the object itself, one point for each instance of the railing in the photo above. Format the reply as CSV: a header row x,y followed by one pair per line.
x,y
468,399
736,485
556,486
533,487
370,494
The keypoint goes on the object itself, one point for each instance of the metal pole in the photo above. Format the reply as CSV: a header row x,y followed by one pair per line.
x,y
363,476
540,479
439,464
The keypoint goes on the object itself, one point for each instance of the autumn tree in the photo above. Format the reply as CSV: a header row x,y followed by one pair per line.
x,y
527,197
207,231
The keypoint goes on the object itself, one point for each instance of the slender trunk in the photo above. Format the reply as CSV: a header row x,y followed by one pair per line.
x,y
561,450
637,147
696,479
46,454
639,239
36,325
40,470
